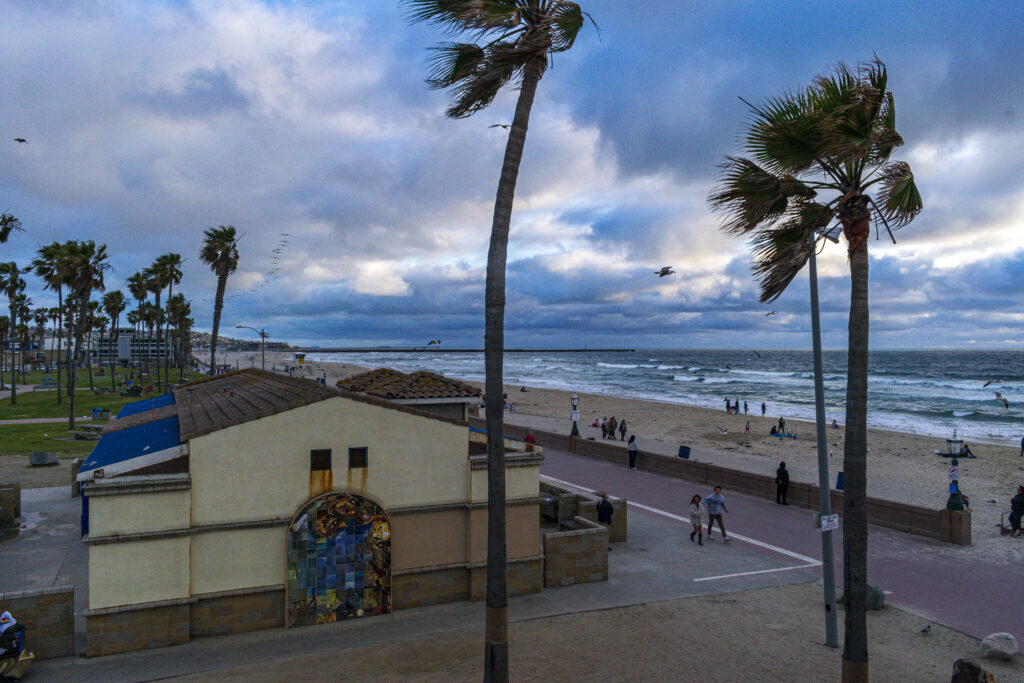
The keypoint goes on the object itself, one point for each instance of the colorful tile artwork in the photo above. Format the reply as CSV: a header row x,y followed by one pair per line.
x,y
339,561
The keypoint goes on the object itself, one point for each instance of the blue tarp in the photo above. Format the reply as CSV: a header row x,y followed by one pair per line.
x,y
146,404
134,442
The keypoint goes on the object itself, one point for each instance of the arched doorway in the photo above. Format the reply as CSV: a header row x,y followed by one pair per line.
x,y
339,560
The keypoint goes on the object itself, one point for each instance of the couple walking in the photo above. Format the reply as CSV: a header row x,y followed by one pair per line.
x,y
715,506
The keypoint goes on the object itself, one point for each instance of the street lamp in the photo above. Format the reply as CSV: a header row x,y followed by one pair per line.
x,y
263,341
575,414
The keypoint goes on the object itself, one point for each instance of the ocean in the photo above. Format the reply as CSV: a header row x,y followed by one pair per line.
x,y
921,392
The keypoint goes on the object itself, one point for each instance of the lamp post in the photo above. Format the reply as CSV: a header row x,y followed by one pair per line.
x,y
263,341
575,400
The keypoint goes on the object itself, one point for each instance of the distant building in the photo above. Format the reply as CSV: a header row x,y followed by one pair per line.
x,y
423,390
256,500
129,347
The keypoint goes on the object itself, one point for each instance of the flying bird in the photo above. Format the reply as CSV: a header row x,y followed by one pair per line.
x,y
666,270
433,341
757,354
769,313
999,397
722,430
21,140
286,234
927,629
991,381
499,125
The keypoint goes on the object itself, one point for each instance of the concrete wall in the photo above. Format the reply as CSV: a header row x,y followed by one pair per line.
x,y
237,559
138,572
159,626
413,460
10,504
577,556
49,619
138,512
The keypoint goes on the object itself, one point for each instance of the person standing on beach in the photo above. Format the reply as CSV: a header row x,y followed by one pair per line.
x,y
697,519
746,409
728,406
781,484
782,425
747,430
604,427
716,505
1022,446
611,427
1017,510
631,447
622,430
762,408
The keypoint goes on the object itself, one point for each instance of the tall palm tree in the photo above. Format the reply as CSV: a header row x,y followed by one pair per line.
x,y
39,317
12,285
89,264
5,330
51,265
521,35
139,290
178,311
156,276
833,139
170,267
220,252
91,323
113,305
8,224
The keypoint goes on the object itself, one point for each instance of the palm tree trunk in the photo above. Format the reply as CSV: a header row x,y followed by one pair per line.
x,y
72,363
218,307
112,348
60,337
88,358
855,522
14,355
496,628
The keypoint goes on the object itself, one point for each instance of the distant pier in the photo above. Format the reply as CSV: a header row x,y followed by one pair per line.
x,y
435,349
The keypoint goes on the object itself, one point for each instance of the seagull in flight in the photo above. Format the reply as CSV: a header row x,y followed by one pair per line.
x,y
999,397
286,234
769,313
22,140
499,125
991,381
666,270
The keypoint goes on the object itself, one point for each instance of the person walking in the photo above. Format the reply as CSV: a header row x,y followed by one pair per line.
x,y
697,519
611,427
746,409
1017,510
604,427
631,447
762,408
781,484
716,505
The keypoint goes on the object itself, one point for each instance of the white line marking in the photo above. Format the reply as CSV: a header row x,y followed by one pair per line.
x,y
746,539
762,571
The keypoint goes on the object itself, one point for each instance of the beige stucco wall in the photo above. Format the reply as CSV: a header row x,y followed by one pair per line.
x,y
242,558
522,532
140,571
520,482
260,469
428,539
137,512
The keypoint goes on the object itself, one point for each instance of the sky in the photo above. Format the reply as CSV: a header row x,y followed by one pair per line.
x,y
149,121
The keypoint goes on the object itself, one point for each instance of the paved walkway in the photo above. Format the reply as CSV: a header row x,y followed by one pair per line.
x,y
40,420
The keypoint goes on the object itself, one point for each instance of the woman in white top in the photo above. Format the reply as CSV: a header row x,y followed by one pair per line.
x,y
697,518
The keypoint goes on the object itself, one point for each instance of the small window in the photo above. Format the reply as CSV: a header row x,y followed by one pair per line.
x,y
357,457
320,459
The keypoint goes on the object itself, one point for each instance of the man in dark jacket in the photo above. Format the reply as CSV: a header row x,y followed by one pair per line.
x,y
781,484
1017,510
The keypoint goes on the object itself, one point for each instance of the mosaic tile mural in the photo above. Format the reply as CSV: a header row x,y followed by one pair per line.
x,y
339,560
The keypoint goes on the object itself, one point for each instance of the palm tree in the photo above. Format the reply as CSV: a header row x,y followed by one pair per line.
x,y
178,312
12,285
834,138
89,263
522,34
169,266
156,278
51,265
8,224
91,323
139,290
39,317
5,330
113,305
220,252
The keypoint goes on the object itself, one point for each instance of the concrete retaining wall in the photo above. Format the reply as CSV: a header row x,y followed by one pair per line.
x,y
569,504
10,504
577,556
942,525
49,618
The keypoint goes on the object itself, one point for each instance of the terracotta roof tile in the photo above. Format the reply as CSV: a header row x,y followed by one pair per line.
x,y
393,385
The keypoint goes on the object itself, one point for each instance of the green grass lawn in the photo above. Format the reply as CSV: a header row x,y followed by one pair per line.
x,y
51,438
82,379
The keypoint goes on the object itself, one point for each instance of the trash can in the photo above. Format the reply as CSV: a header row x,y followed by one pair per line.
x,y
96,413
839,481
684,452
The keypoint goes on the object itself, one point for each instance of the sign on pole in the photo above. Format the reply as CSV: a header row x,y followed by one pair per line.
x,y
954,472
829,522
575,416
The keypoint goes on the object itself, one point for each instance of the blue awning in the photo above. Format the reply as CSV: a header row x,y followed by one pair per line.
x,y
146,404
133,448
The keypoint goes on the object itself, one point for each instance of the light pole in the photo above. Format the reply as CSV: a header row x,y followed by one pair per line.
x,y
824,489
575,400
263,342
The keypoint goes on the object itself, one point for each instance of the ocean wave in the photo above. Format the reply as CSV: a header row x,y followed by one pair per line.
x,y
625,366
670,367
686,378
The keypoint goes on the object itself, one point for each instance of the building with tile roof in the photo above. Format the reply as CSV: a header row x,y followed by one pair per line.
x,y
425,390
256,500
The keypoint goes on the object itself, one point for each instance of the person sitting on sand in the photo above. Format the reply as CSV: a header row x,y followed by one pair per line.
x,y
529,438
835,425
965,452
774,430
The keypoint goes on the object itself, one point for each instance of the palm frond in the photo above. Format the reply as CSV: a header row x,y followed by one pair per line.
x,y
752,198
452,62
784,134
477,17
566,21
503,63
900,198
780,253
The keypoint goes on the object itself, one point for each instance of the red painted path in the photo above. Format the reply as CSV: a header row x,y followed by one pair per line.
x,y
953,586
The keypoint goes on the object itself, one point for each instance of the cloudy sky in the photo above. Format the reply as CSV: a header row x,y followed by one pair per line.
x,y
148,121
